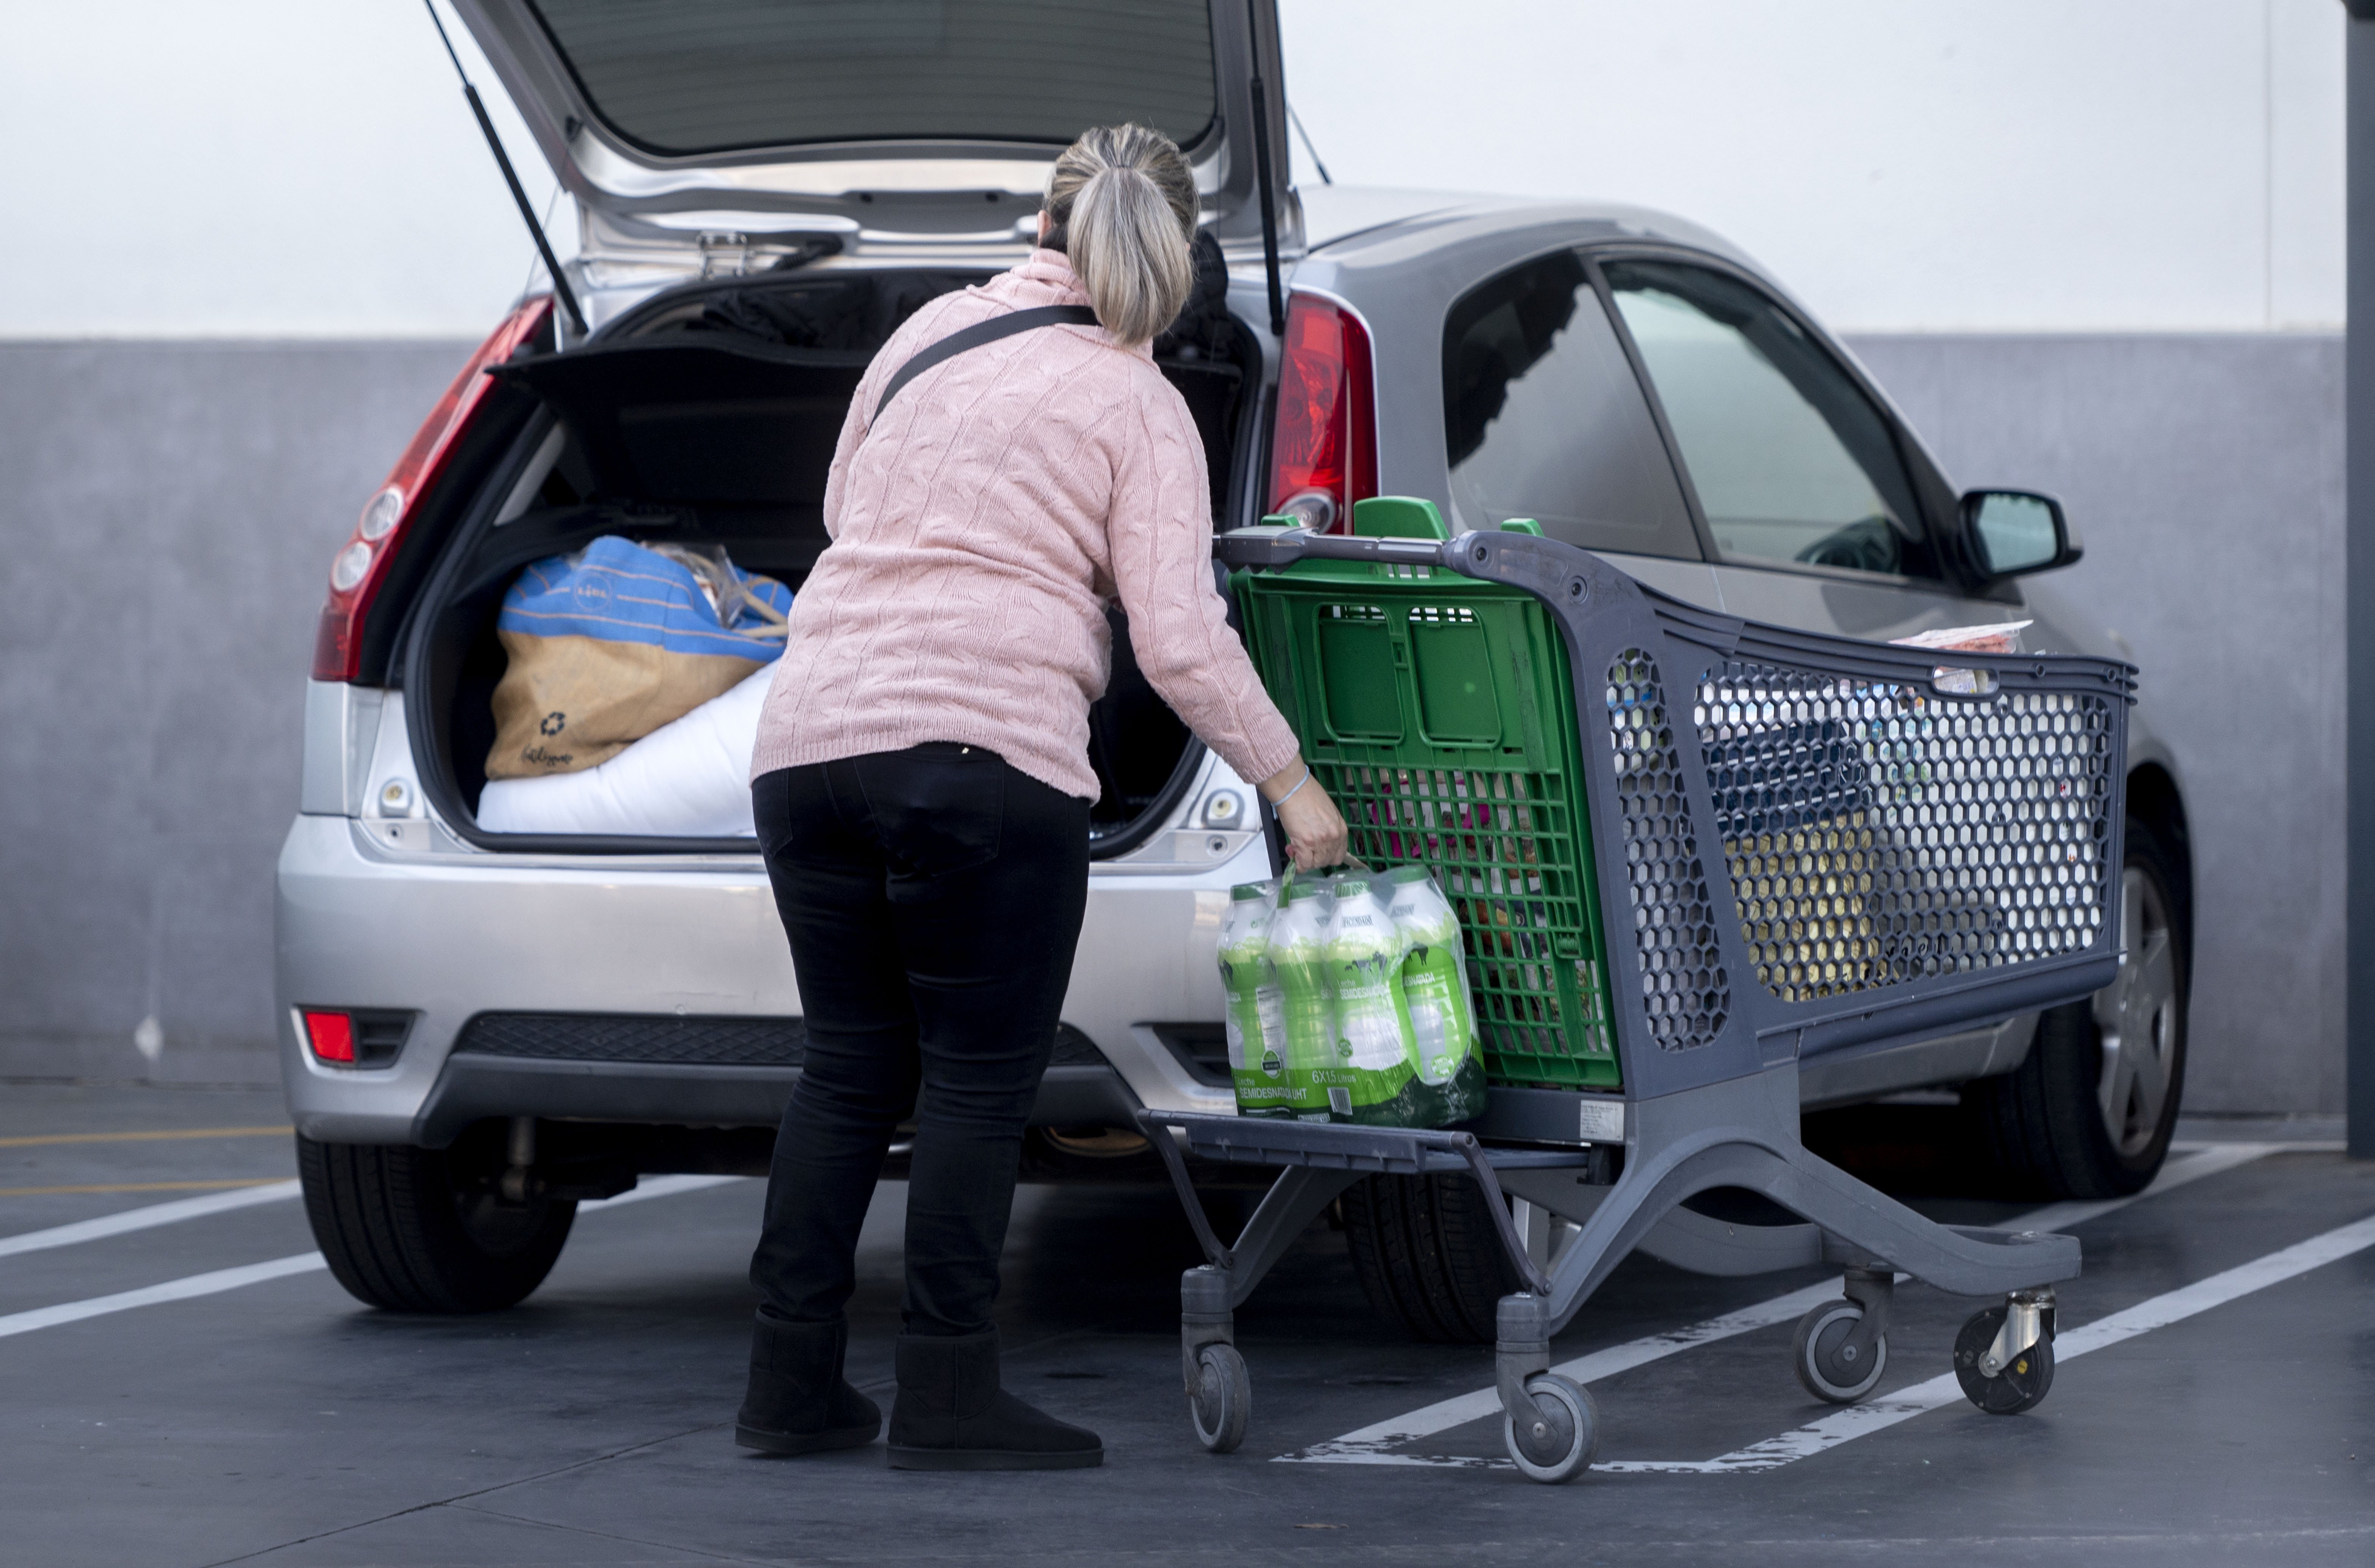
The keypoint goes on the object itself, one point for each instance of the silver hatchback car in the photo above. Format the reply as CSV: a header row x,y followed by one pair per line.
x,y
482,1029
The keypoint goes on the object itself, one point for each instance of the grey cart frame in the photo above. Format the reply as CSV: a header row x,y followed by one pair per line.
x,y
1709,1025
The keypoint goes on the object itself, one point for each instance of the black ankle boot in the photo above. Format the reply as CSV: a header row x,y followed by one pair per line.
x,y
799,1402
951,1415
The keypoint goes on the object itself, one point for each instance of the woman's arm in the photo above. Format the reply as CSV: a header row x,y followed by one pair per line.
x,y
1160,534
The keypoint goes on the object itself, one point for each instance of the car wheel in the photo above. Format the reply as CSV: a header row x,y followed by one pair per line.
x,y
2089,1115
1428,1257
425,1229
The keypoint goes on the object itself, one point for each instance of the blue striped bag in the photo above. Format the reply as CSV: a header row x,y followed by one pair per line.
x,y
613,640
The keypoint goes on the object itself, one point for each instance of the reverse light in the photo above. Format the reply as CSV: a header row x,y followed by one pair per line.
x,y
350,567
331,1036
1324,446
385,511
360,564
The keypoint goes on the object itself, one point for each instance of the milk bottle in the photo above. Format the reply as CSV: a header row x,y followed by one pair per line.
x,y
1435,986
1255,1019
1374,1068
1298,957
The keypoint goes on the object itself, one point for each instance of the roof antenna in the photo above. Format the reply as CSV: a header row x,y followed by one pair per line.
x,y
1296,120
510,177
1261,174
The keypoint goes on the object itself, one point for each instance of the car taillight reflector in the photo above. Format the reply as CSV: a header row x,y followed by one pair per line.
x,y
1324,446
331,1036
360,564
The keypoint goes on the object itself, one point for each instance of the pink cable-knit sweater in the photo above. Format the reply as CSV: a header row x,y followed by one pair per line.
x,y
977,534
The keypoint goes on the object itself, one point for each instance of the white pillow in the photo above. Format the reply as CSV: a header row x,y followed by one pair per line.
x,y
689,778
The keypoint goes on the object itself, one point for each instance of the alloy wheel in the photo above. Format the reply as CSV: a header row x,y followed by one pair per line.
x,y
2137,1014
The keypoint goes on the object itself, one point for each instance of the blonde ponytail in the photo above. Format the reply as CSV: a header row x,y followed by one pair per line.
x,y
1122,203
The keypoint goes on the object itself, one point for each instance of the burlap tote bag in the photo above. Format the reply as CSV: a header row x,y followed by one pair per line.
x,y
610,642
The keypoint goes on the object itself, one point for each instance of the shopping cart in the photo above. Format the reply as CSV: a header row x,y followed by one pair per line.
x,y
1687,850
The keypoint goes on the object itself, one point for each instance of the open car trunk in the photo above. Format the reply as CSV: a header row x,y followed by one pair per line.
x,y
709,416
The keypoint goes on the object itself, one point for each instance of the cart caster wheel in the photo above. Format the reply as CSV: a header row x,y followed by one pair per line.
x,y
1563,1437
2020,1386
1830,1367
1223,1398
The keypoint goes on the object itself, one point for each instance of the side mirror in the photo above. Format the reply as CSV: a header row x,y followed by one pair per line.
x,y
2013,532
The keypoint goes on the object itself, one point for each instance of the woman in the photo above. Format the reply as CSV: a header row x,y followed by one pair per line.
x,y
922,788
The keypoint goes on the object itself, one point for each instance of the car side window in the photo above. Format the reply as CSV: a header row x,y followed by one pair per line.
x,y
1544,418
1791,461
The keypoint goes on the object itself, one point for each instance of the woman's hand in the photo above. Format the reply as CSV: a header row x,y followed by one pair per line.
x,y
1314,830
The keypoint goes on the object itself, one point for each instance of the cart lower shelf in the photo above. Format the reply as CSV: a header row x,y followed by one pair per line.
x,y
1741,1133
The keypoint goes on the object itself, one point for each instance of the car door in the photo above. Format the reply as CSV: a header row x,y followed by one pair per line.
x,y
1818,510
1543,419
866,124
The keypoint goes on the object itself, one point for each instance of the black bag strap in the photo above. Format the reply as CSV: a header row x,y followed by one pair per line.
x,y
974,336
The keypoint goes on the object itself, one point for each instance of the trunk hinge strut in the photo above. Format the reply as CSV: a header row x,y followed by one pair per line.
x,y
510,177
1262,178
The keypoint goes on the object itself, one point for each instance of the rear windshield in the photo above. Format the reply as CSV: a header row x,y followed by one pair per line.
x,y
707,76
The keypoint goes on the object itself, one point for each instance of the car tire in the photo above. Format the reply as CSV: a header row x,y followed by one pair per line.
x,y
2085,1115
424,1229
1428,1257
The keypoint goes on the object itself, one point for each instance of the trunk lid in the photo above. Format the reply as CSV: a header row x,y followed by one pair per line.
x,y
881,123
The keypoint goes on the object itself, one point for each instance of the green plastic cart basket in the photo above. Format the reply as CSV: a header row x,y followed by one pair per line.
x,y
1436,710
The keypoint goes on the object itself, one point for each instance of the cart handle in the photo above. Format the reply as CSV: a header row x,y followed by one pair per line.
x,y
1276,547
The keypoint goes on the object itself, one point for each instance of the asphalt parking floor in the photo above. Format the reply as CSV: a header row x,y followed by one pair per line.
x,y
185,1384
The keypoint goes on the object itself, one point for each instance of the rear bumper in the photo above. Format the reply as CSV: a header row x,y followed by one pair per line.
x,y
366,919
471,1087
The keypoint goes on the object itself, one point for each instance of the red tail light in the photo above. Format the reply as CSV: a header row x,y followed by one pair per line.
x,y
331,1036
356,570
1324,448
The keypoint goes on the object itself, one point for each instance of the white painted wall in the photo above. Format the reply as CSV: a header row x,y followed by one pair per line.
x,y
306,168
252,169
2062,165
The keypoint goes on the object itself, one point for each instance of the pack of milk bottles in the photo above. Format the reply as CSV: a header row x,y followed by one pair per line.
x,y
1348,1001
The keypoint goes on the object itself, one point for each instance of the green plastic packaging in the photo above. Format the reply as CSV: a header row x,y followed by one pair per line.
x,y
1450,1060
1439,712
1256,1020
1374,1080
1298,956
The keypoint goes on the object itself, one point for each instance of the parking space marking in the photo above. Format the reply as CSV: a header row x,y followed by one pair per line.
x,y
659,1186
165,1135
146,1218
1369,1445
220,1280
179,1290
269,1190
141,1186
2205,1159
2159,1311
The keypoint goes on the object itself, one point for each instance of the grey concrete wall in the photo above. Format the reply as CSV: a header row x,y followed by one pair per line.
x,y
2205,475
167,516
166,513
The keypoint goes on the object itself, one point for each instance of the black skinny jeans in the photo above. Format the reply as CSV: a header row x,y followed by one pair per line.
x,y
933,899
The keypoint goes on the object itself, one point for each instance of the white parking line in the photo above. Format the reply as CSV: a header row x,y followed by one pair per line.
x,y
659,1186
154,1214
1369,1444
179,1290
146,1217
222,1280
2205,1159
2173,1306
